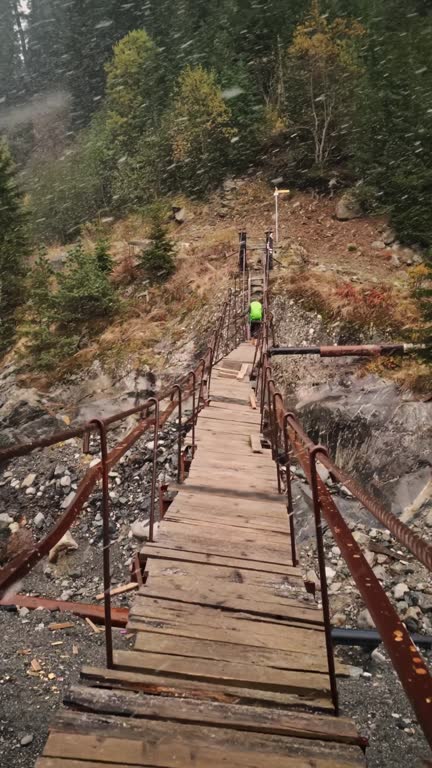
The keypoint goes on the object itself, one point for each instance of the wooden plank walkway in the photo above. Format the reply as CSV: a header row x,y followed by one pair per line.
x,y
229,664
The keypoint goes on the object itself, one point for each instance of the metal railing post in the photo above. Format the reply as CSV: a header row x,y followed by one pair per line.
x,y
100,426
193,376
322,571
290,506
275,432
177,388
155,401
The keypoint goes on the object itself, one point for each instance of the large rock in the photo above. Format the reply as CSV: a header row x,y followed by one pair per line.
x,y
348,208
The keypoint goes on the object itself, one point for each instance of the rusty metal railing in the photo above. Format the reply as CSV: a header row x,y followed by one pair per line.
x,y
154,413
286,433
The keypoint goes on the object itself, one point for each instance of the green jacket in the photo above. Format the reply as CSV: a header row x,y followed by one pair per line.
x,y
255,312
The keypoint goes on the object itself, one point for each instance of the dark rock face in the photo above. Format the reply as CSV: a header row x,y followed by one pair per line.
x,y
383,438
25,421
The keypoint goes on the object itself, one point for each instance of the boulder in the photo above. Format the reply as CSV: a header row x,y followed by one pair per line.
x,y
365,620
388,237
66,544
181,215
348,208
412,618
400,590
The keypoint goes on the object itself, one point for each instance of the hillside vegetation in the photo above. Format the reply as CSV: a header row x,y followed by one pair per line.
x,y
109,108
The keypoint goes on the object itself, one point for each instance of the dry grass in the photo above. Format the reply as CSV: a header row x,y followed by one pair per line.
x,y
366,306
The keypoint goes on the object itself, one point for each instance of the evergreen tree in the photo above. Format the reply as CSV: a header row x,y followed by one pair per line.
x,y
85,293
40,313
48,59
103,257
13,248
11,63
134,101
158,261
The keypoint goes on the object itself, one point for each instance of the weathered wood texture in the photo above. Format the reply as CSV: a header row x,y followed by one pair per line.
x,y
229,663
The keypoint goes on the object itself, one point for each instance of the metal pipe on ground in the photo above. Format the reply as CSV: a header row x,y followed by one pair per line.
x,y
361,350
370,638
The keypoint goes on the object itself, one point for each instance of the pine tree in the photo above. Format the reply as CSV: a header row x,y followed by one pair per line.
x,y
103,257
11,63
85,293
13,248
39,314
158,261
48,59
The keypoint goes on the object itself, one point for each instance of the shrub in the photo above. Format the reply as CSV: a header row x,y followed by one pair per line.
x,y
103,257
85,293
158,261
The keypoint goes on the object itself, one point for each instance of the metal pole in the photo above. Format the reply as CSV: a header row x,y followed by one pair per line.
x,y
277,214
177,388
155,402
290,506
100,426
193,376
276,435
322,572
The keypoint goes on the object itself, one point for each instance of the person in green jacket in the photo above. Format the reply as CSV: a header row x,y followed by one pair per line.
x,y
255,318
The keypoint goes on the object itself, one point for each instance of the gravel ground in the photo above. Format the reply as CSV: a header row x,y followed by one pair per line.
x,y
29,699
381,711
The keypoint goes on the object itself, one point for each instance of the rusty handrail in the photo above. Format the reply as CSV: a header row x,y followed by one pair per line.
x,y
20,565
407,661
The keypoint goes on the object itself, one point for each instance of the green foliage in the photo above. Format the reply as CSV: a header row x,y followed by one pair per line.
x,y
200,129
158,261
60,311
65,193
84,292
133,95
322,70
39,291
13,248
421,280
103,257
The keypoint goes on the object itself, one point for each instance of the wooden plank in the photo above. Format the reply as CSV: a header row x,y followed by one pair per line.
x,y
272,519
262,631
229,576
160,643
256,444
119,590
159,684
110,739
255,537
238,550
224,416
190,496
294,639
243,371
245,524
235,599
164,553
232,492
255,719
229,673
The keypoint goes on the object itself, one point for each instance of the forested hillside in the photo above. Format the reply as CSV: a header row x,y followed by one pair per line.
x,y
108,106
